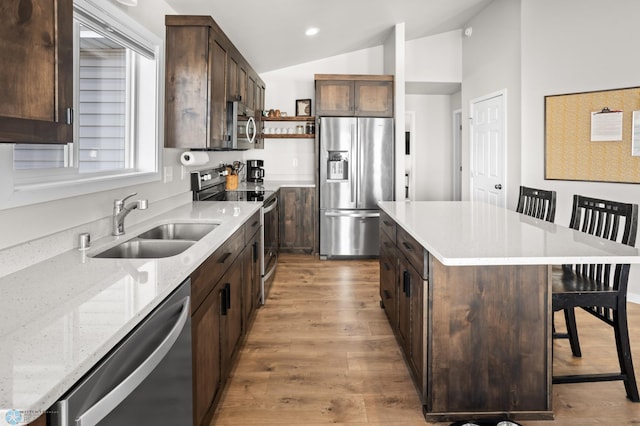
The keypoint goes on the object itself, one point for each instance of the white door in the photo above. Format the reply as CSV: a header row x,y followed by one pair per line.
x,y
487,165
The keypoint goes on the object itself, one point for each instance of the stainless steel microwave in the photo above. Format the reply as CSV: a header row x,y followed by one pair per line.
x,y
242,129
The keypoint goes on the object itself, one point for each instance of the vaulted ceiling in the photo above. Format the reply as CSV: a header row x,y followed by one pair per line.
x,y
271,34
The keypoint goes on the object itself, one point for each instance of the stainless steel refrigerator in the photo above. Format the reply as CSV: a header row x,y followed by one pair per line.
x,y
356,171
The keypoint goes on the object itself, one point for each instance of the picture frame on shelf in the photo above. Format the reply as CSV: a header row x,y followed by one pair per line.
x,y
303,107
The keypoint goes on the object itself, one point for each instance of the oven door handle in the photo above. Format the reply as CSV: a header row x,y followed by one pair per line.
x,y
118,394
271,206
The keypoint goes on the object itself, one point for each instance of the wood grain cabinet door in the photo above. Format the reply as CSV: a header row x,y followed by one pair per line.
x,y
335,97
404,305
187,82
250,279
374,98
231,314
36,76
207,378
297,219
197,78
218,97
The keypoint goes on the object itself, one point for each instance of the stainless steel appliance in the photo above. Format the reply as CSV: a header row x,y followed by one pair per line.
x,y
145,380
255,171
209,185
270,243
356,171
242,131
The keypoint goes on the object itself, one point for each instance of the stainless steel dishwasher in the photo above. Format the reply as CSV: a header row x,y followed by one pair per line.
x,y
145,380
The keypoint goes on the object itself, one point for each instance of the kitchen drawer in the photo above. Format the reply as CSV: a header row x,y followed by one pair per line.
x,y
388,225
387,246
413,251
207,275
251,226
389,287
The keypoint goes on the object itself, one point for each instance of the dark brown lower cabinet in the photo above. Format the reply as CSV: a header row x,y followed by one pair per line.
x,y
207,380
297,220
223,292
251,281
230,314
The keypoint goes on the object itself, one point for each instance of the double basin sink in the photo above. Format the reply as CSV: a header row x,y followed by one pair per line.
x,y
168,239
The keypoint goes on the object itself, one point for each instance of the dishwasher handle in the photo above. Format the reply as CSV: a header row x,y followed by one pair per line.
x,y
102,408
272,205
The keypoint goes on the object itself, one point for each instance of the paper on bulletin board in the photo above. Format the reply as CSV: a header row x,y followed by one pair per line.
x,y
606,126
635,135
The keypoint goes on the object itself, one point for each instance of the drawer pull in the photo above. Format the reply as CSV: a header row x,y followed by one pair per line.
x,y
406,283
256,223
224,257
223,301
387,223
386,266
408,246
387,295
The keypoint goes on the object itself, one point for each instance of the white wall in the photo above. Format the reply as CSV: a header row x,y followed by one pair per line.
x,y
436,58
583,45
490,63
432,149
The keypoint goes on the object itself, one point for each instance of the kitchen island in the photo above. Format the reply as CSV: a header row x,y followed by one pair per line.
x,y
466,287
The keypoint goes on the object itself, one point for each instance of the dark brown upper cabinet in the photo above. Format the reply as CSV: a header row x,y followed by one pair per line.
x,y
36,76
354,95
204,71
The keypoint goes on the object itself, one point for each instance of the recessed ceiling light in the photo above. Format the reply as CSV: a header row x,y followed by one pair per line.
x,y
128,2
311,31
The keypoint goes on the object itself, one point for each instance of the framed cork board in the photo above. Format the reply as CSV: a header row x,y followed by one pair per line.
x,y
590,136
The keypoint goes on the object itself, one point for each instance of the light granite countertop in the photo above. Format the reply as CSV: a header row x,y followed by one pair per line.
x,y
62,315
274,185
460,233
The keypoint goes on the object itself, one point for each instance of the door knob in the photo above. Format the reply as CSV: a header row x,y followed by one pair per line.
x,y
498,186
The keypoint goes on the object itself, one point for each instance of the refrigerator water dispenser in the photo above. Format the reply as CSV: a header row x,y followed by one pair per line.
x,y
338,165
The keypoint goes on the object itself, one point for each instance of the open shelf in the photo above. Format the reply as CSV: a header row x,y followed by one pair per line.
x,y
298,119
303,118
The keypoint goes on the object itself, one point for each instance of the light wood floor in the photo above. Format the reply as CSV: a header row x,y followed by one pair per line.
x,y
321,351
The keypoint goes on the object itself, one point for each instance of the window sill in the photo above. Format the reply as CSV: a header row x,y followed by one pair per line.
x,y
27,194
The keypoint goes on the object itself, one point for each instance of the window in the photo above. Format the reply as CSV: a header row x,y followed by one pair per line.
x,y
116,98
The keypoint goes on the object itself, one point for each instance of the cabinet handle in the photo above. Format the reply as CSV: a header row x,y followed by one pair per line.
x,y
386,266
223,301
408,246
406,283
227,290
386,222
386,294
224,257
255,252
256,223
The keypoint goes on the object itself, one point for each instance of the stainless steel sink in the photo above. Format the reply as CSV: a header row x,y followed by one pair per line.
x,y
164,240
179,231
146,249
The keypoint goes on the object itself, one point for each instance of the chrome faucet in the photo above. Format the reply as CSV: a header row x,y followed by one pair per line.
x,y
120,211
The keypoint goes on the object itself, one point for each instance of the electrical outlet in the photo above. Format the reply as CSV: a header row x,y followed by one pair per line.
x,y
168,174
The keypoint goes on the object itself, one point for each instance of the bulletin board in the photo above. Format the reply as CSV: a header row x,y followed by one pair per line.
x,y
592,136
